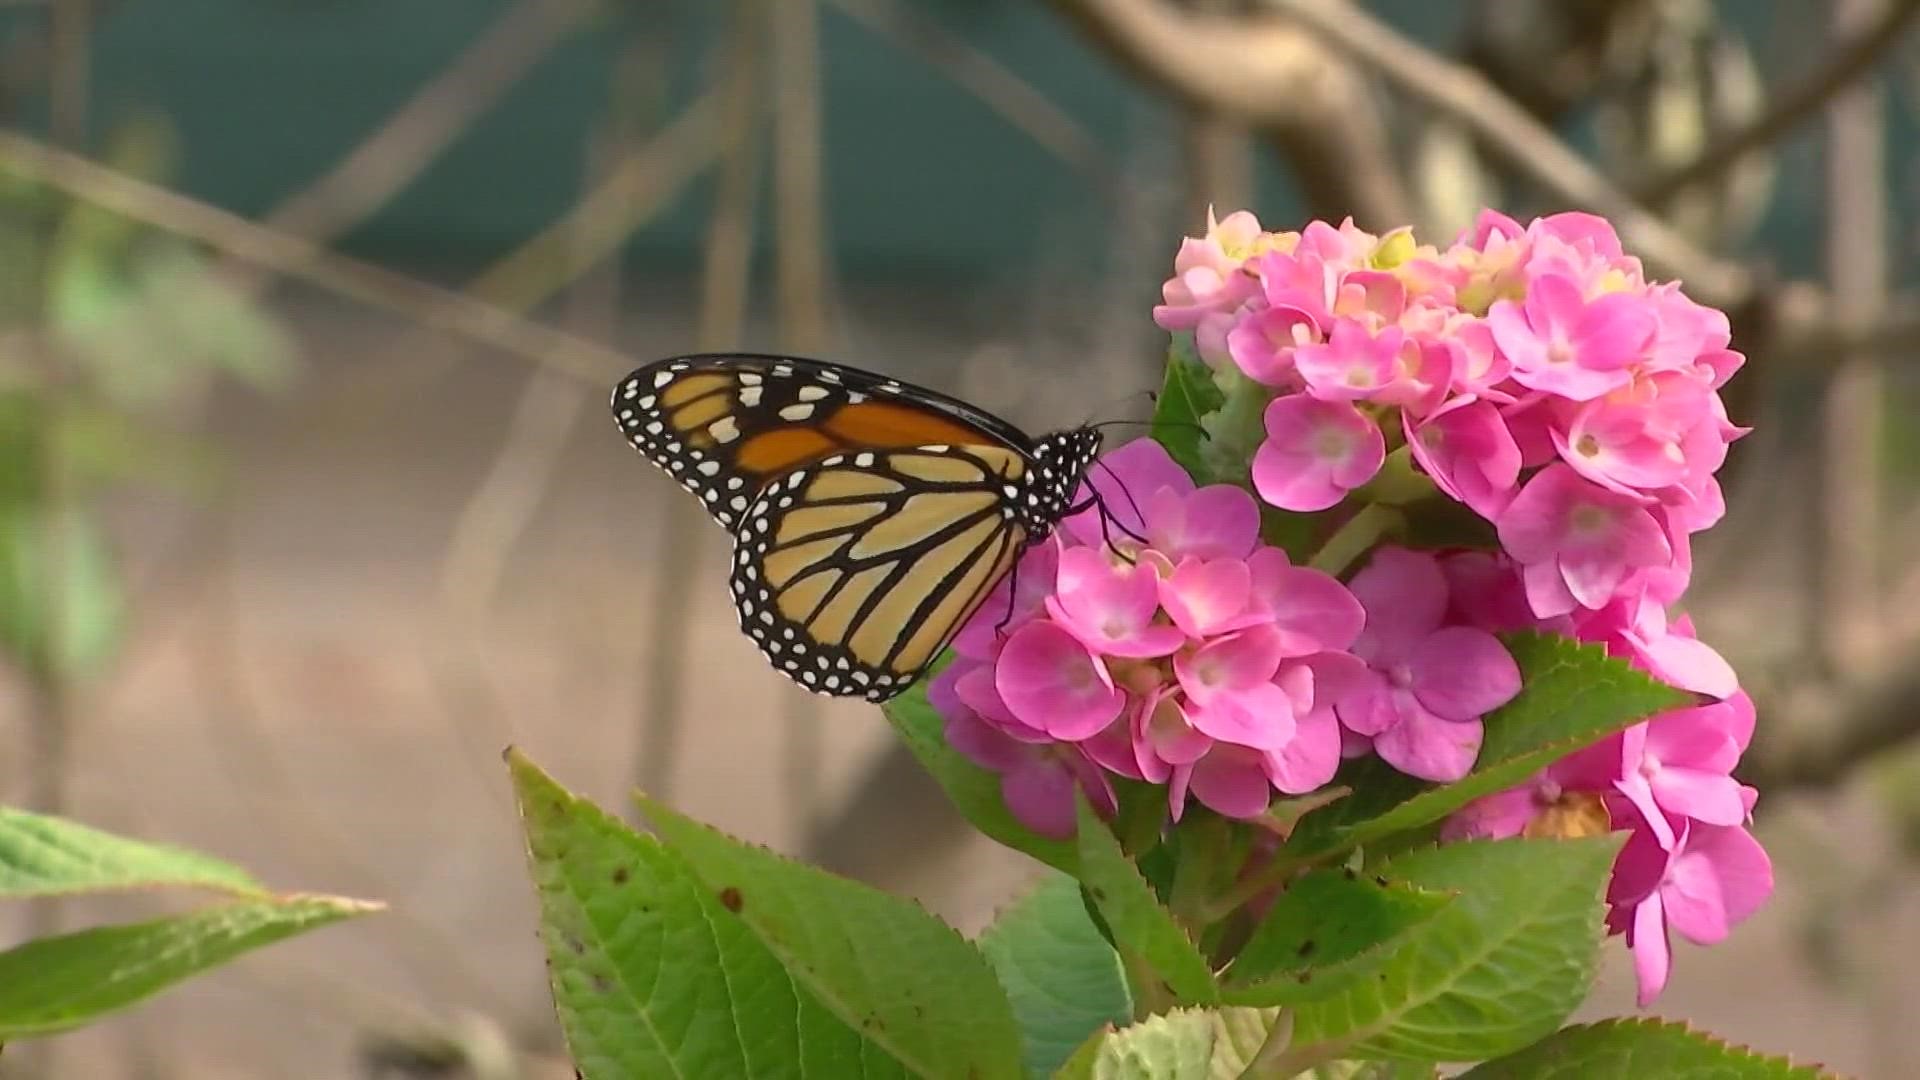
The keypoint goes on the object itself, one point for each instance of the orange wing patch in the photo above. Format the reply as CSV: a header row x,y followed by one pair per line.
x,y
882,424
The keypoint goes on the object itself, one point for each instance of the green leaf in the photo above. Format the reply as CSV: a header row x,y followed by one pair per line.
x,y
59,983
50,856
651,975
1134,915
61,609
1186,396
975,791
906,981
1328,929
1573,695
1062,977
1500,966
1629,1049
1185,1044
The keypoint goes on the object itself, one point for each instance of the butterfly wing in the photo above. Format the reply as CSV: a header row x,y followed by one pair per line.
x,y
852,575
871,517
727,424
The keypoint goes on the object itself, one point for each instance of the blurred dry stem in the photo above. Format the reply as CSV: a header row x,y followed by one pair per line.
x,y
1015,100
1867,42
1845,628
375,286
1316,110
414,135
725,279
801,275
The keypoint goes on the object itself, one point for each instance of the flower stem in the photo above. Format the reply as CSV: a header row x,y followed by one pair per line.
x,y
1266,1060
1353,539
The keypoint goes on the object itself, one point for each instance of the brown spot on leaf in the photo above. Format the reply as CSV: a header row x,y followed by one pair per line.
x,y
730,899
621,874
1306,949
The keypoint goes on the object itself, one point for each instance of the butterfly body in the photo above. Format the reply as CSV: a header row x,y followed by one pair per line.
x,y
870,517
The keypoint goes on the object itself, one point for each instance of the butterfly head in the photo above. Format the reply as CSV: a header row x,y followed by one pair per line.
x,y
1060,462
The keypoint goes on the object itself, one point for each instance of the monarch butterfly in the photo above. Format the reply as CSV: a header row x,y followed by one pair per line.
x,y
870,518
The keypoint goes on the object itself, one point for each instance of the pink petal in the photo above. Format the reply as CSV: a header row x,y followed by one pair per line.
x,y
1219,521
1692,897
983,744
1309,759
1368,708
1690,665
1169,737
1741,866
1315,452
1110,606
1202,597
1235,662
1493,817
1426,746
1231,782
1312,611
1051,682
1139,469
1405,597
983,635
1259,716
1460,673
1652,956
1039,794
1713,798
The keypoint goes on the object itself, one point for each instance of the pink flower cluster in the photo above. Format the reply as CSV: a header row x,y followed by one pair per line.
x,y
1532,372
1203,660
1200,659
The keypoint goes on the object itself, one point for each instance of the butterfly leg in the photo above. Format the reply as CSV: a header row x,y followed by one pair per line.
x,y
1013,597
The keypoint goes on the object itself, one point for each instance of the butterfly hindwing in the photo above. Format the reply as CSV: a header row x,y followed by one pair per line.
x,y
853,574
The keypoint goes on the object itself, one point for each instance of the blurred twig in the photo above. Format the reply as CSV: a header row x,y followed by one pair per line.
x,y
723,311
416,133
1860,722
1315,109
1521,142
800,277
1843,597
1848,62
995,85
430,305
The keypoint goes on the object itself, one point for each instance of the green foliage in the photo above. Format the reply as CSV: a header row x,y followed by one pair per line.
x,y
1328,929
50,856
1186,397
59,983
1140,927
1629,1049
60,600
1500,966
1185,1044
1572,696
698,955
975,791
1062,977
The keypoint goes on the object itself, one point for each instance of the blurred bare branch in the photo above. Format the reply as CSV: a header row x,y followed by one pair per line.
x,y
1317,111
427,304
1844,557
416,133
725,280
1858,723
997,86
1521,142
801,274
1850,61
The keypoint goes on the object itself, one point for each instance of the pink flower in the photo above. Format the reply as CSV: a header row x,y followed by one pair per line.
x,y
1699,880
1262,344
1681,763
1315,452
1561,343
1429,684
1206,273
1466,447
1037,781
1577,541
1110,606
1051,683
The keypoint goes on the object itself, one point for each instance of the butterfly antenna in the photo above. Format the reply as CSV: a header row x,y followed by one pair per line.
x,y
1137,512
